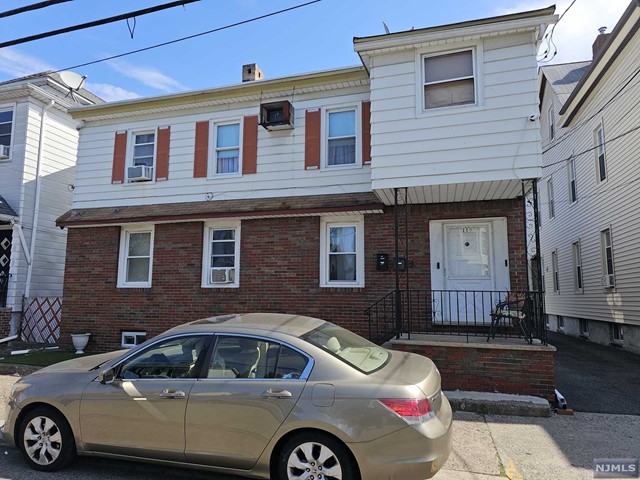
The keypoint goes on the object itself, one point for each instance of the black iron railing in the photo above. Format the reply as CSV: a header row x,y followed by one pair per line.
x,y
464,313
4,287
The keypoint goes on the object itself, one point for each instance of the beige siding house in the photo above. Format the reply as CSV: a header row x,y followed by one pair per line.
x,y
589,190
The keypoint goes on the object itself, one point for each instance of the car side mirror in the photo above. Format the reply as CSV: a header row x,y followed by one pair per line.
x,y
107,376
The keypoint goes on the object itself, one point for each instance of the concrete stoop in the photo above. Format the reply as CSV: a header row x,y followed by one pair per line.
x,y
487,403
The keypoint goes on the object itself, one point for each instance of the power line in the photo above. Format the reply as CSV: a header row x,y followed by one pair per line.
x,y
549,38
158,45
34,6
96,23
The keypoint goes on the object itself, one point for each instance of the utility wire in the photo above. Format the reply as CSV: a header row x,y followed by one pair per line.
x,y
95,23
549,39
34,6
158,45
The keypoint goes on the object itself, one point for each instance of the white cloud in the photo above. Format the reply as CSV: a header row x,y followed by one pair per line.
x,y
110,93
18,64
575,33
148,76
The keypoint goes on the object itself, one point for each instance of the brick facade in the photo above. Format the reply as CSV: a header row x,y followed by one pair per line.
x,y
524,370
279,271
5,320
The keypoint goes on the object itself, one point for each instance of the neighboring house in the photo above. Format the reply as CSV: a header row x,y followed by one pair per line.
x,y
38,144
589,191
301,194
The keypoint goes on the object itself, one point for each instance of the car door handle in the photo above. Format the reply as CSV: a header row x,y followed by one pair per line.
x,y
276,393
171,393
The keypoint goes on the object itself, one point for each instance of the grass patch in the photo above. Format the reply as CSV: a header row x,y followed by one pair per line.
x,y
40,358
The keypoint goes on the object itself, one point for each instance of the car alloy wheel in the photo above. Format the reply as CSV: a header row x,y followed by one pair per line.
x,y
46,441
316,457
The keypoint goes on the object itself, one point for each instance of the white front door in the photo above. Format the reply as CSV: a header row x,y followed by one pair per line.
x,y
469,264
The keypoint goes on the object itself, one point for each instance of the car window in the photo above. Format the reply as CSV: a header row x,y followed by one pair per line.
x,y
349,347
248,357
172,358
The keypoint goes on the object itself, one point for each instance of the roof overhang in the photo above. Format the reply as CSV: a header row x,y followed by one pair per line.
x,y
310,206
533,21
624,30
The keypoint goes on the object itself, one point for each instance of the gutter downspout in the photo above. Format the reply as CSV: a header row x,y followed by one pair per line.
x,y
36,205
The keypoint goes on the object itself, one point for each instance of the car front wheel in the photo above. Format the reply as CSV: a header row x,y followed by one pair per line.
x,y
45,440
315,456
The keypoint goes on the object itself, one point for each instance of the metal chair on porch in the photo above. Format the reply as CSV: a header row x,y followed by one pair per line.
x,y
513,313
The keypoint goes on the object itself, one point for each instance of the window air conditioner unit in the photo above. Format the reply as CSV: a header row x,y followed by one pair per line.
x,y
608,281
4,152
141,173
277,115
222,275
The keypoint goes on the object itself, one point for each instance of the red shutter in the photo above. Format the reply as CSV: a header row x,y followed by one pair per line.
x,y
366,132
119,156
162,156
250,145
312,140
201,158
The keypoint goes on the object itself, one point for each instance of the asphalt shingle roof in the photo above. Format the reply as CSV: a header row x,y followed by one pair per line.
x,y
564,77
5,209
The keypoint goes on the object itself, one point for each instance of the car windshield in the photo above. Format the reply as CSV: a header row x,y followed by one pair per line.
x,y
348,347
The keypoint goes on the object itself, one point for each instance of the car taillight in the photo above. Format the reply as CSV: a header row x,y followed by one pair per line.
x,y
411,410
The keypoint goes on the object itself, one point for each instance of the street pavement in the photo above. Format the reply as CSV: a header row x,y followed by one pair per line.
x,y
596,378
484,448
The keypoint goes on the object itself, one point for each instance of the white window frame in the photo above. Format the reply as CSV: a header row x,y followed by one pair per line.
x,y
604,247
552,124
123,255
550,199
583,327
10,108
573,182
135,334
326,223
478,81
556,271
213,148
324,132
209,227
599,143
131,143
578,273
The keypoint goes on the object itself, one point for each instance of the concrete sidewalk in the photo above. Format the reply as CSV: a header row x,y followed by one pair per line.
x,y
520,448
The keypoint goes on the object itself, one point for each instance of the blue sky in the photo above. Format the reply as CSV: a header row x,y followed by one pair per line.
x,y
312,38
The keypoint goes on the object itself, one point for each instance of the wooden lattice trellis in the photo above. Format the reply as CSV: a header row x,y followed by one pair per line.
x,y
41,318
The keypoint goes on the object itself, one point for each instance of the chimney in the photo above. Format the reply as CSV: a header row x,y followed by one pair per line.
x,y
599,42
251,73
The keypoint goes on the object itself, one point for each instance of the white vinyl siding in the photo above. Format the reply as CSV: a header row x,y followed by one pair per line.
x,y
136,257
221,255
342,252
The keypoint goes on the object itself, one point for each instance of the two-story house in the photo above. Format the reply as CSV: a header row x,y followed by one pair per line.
x,y
589,123
38,143
316,194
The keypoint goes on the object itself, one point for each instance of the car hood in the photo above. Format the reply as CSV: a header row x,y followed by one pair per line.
x,y
81,364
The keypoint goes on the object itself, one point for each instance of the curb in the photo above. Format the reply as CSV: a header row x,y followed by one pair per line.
x,y
486,403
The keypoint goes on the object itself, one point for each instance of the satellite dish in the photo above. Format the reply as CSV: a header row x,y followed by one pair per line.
x,y
72,80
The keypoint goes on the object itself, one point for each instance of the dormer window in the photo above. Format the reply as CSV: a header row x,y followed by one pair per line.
x,y
448,79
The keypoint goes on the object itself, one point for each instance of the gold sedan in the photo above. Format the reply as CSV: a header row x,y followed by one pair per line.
x,y
262,395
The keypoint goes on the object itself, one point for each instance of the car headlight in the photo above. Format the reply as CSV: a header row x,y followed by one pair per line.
x,y
17,389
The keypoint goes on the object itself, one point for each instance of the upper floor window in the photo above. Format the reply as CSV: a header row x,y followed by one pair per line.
x,y
221,255
449,79
550,199
577,265
341,138
600,154
227,150
142,157
136,256
607,258
342,252
552,124
571,173
556,272
6,127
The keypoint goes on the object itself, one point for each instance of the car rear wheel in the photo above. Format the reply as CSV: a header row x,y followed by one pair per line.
x,y
315,456
45,440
